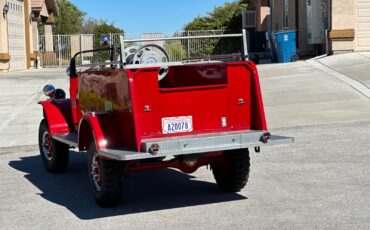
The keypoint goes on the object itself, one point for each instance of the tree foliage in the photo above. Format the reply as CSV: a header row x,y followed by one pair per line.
x,y
70,18
175,51
90,24
227,17
106,29
103,29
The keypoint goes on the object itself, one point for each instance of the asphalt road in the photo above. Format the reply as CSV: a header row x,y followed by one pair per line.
x,y
320,182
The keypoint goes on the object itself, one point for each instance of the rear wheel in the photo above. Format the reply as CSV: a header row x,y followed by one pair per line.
x,y
231,170
105,177
54,154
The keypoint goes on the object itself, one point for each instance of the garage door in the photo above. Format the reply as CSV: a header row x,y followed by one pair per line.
x,y
363,25
17,49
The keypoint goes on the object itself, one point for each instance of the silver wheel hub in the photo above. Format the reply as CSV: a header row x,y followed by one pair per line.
x,y
46,146
95,172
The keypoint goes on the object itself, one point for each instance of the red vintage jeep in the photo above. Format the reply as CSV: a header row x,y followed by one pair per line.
x,y
141,113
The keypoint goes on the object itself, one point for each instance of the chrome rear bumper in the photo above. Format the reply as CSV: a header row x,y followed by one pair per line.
x,y
195,144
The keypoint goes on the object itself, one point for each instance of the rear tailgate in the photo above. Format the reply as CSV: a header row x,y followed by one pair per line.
x,y
192,99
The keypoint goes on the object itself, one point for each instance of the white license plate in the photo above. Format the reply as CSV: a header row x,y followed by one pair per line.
x,y
177,124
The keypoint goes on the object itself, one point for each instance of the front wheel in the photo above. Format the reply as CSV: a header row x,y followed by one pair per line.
x,y
105,177
54,154
231,170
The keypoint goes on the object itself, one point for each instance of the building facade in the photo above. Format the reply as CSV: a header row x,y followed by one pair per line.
x,y
19,21
323,26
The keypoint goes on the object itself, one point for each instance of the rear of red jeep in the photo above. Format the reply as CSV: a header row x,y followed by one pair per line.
x,y
132,118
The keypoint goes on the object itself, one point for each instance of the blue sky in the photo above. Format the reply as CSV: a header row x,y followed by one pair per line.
x,y
136,16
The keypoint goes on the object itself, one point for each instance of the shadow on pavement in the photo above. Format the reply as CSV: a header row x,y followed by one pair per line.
x,y
143,192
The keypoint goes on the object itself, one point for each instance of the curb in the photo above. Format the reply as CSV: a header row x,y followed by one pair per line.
x,y
358,86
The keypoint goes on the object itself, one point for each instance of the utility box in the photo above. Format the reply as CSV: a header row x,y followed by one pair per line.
x,y
317,17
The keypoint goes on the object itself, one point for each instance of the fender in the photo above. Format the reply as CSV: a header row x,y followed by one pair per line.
x,y
258,115
57,115
90,128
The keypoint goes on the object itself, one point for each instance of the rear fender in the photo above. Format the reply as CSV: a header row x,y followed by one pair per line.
x,y
258,118
89,129
57,115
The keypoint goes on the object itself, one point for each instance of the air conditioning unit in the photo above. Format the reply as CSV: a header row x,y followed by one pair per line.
x,y
249,19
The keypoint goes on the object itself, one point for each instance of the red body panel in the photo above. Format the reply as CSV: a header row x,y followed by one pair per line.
x,y
96,129
120,108
107,93
58,115
75,104
207,104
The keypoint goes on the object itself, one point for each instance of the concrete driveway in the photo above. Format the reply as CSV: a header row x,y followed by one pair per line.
x,y
300,94
320,182
295,94
20,114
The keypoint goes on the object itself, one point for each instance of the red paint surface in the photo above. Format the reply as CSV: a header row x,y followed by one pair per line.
x,y
207,92
58,116
207,104
75,104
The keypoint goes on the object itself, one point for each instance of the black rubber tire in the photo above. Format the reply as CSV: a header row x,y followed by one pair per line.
x,y
59,152
110,192
231,171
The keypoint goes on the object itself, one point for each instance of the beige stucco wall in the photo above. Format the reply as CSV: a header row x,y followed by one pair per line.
x,y
30,37
264,19
343,14
35,35
3,36
343,17
49,42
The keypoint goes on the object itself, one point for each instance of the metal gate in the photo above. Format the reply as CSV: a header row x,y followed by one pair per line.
x,y
16,32
57,50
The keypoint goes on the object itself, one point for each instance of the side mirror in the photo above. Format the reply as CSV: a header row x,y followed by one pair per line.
x,y
49,90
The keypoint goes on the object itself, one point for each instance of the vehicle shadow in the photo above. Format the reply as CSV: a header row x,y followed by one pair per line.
x,y
143,192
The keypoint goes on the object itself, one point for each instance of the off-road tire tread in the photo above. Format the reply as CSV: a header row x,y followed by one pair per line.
x,y
60,158
111,187
236,176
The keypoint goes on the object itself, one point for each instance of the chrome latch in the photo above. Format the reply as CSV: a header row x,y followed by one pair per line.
x,y
147,108
223,122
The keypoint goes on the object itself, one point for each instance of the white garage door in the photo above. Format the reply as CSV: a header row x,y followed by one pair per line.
x,y
17,49
363,25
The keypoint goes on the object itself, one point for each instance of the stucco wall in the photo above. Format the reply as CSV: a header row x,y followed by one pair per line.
x,y
37,3
343,17
343,14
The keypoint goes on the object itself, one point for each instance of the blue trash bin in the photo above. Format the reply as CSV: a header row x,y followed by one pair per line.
x,y
285,45
271,46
